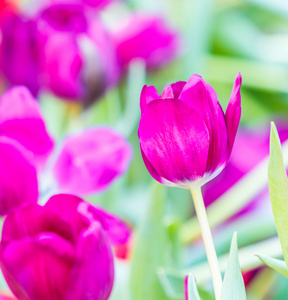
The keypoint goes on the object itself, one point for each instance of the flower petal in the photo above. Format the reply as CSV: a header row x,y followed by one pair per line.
x,y
21,119
175,140
93,274
18,178
233,112
177,88
90,161
202,95
41,267
167,92
148,94
31,221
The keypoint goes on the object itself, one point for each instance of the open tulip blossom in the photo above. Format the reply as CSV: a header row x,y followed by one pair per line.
x,y
185,138
61,250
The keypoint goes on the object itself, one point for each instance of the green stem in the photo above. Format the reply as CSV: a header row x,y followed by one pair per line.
x,y
208,241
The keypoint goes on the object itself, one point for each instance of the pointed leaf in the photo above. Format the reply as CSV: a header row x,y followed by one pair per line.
x,y
278,188
275,264
191,290
233,284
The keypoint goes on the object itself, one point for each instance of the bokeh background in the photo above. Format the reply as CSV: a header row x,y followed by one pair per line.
x,y
86,62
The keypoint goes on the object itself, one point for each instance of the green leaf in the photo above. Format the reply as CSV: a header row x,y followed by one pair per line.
x,y
278,188
150,248
233,284
192,288
173,286
275,264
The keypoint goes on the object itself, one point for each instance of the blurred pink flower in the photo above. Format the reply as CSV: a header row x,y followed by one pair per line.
x,y
21,120
24,143
99,4
18,177
146,37
90,161
184,136
59,251
79,61
19,52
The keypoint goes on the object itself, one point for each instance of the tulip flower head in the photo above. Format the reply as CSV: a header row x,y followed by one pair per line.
x,y
185,138
60,251
90,161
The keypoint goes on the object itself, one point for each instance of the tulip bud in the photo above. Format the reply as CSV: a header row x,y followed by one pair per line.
x,y
185,138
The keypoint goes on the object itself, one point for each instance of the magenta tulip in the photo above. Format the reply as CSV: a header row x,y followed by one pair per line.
x,y
185,138
22,121
60,251
79,62
20,66
146,37
90,161
18,178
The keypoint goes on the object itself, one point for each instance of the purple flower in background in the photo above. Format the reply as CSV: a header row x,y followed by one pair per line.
x,y
90,161
20,52
146,37
18,177
24,143
185,138
60,251
79,62
22,121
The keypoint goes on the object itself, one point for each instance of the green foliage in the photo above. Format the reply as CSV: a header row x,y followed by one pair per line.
x,y
278,188
276,264
149,251
233,284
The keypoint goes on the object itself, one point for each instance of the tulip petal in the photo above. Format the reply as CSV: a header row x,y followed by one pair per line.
x,y
167,92
202,95
80,214
31,221
93,274
41,266
175,140
90,161
18,178
21,119
177,88
233,112
148,94
116,229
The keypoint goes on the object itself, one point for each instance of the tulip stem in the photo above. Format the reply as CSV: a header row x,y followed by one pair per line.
x,y
208,241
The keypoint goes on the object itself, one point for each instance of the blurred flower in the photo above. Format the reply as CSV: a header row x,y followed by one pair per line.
x,y
79,61
146,37
6,297
185,139
59,251
21,120
18,178
90,161
19,52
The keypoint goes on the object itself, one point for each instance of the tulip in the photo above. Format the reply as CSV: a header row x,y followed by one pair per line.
x,y
79,62
20,67
18,178
60,251
146,37
185,138
91,160
22,121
